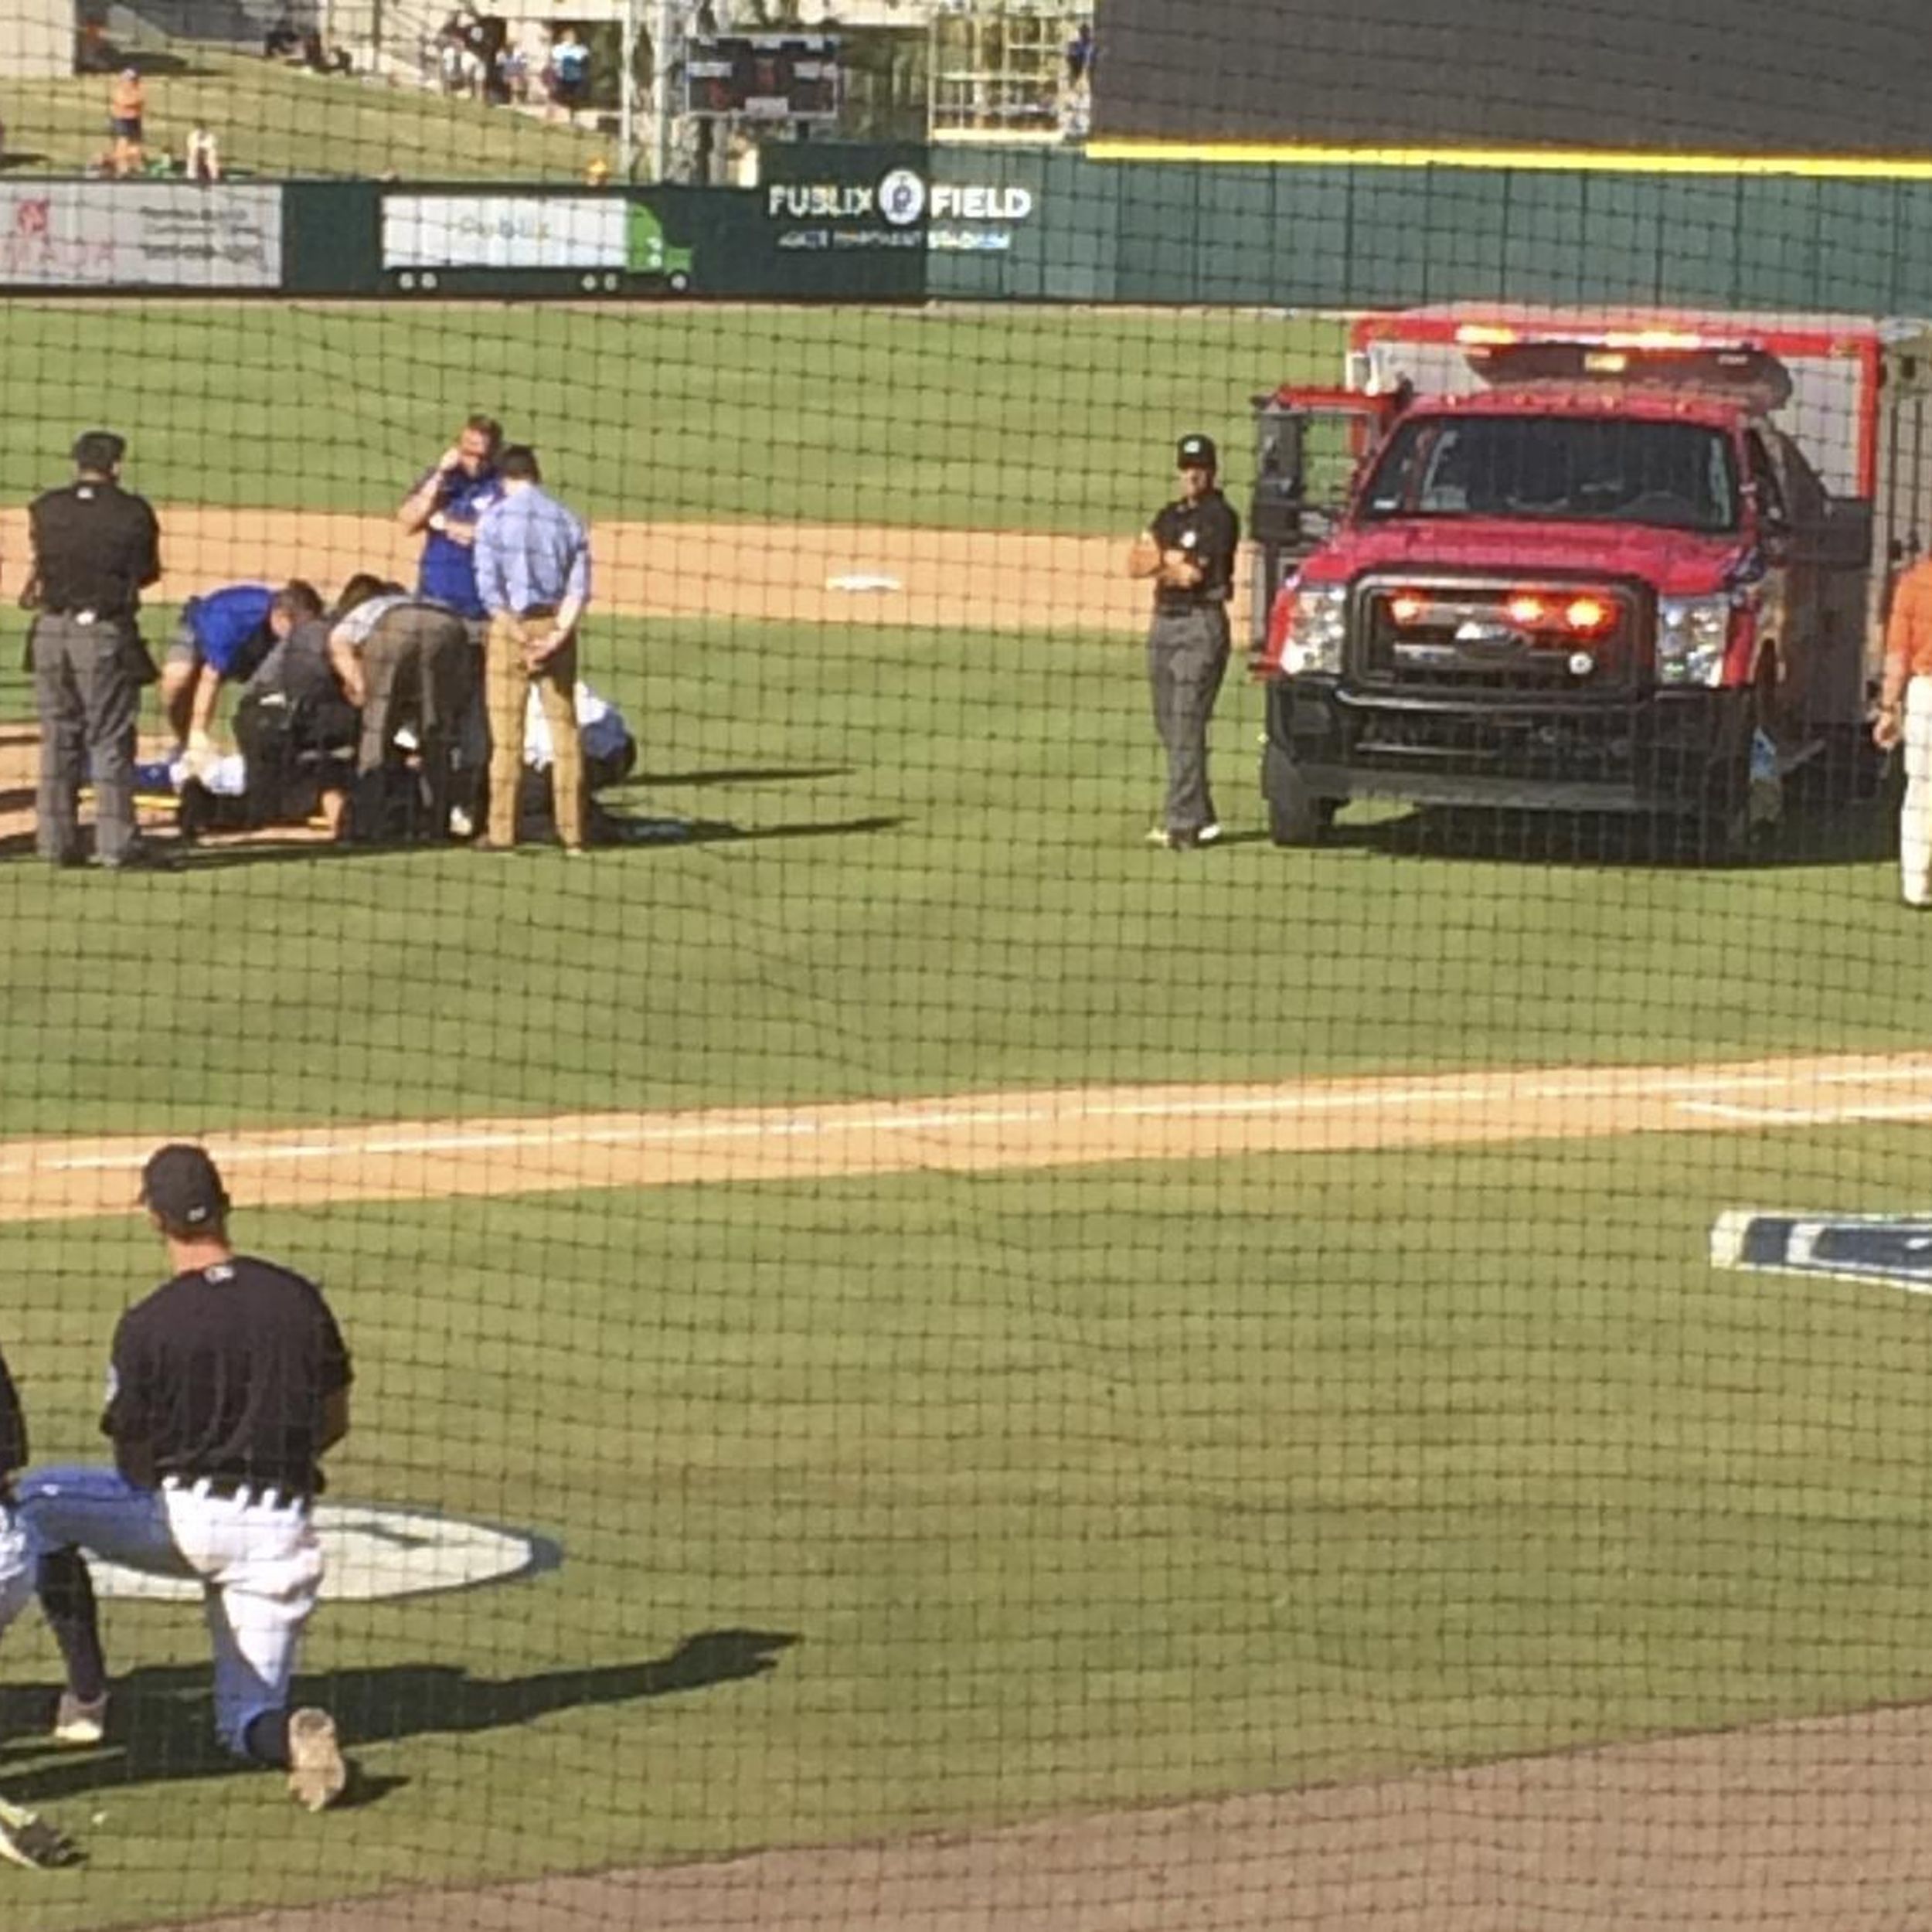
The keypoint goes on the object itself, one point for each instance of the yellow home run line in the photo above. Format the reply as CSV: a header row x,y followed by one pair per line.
x,y
1598,161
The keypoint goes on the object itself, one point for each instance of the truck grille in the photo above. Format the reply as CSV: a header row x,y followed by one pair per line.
x,y
1493,638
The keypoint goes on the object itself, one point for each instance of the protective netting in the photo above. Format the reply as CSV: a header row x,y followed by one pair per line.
x,y
957,1325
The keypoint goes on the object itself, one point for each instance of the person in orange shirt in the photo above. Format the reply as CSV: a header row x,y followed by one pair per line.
x,y
1905,716
126,100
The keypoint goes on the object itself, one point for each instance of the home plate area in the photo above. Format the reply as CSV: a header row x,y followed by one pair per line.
x,y
376,1553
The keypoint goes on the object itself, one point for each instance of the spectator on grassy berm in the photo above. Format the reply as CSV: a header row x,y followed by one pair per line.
x,y
570,72
201,159
127,104
533,569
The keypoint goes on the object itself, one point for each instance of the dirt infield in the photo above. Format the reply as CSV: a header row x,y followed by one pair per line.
x,y
1820,1825
973,1133
777,573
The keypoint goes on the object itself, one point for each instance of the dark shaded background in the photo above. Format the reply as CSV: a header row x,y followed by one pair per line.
x,y
1732,76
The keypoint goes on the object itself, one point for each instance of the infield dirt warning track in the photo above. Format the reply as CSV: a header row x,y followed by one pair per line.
x,y
1009,581
54,1178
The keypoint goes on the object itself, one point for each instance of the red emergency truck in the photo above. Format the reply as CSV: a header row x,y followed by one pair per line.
x,y
1634,563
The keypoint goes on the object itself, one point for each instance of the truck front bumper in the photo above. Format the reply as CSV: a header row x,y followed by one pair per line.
x,y
1656,751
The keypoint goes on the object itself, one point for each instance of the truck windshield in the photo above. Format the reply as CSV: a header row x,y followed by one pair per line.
x,y
1608,469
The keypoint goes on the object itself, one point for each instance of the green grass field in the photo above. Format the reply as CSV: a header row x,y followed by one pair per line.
x,y
921,871
1102,1488
980,419
1096,1486
278,122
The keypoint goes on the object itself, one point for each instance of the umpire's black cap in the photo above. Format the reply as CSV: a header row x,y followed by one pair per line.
x,y
183,1185
1196,452
99,451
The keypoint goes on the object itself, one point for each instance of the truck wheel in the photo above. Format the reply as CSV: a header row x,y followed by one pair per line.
x,y
1296,817
1726,826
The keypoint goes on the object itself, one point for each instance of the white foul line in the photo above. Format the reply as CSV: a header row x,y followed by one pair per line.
x,y
1691,1092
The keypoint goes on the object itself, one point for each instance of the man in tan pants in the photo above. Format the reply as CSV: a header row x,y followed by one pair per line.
x,y
533,574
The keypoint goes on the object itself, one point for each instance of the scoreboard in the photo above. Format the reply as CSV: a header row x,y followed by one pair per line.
x,y
764,77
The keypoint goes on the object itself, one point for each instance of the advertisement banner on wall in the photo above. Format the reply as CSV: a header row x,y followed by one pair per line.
x,y
124,234
542,232
856,216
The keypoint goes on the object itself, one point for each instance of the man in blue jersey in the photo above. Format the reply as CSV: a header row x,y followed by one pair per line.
x,y
443,508
222,637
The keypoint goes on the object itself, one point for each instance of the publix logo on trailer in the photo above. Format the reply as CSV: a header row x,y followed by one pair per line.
x,y
375,1553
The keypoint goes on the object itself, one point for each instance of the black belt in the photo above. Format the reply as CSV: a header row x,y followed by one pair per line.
x,y
536,610
239,1489
87,614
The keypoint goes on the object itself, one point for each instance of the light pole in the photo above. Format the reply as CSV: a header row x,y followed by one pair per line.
x,y
627,92
662,52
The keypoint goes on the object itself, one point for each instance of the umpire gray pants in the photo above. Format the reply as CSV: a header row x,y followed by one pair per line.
x,y
86,683
1187,657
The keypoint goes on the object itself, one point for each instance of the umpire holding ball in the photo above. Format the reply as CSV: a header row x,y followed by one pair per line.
x,y
96,548
1188,551
225,1387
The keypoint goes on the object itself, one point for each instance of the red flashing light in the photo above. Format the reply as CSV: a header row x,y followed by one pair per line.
x,y
1527,608
1588,614
1408,607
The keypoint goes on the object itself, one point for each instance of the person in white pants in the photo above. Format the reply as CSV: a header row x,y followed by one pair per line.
x,y
226,1386
1905,716
24,1838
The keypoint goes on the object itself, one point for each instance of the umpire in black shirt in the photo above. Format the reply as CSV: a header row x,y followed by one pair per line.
x,y
96,548
1188,551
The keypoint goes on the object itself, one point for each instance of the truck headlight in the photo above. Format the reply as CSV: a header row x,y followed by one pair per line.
x,y
1692,636
1316,626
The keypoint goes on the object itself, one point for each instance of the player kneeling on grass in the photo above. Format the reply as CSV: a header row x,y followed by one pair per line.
x,y
25,1839
225,1387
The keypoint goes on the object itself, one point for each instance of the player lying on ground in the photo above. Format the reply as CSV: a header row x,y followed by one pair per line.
x,y
225,1387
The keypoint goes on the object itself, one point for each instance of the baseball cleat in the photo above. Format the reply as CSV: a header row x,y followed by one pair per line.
x,y
27,1838
316,1775
81,1720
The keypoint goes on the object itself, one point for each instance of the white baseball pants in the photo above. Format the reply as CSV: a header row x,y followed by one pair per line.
x,y
17,1556
1915,817
256,1556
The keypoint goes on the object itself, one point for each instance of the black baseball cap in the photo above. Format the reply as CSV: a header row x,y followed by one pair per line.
x,y
99,450
1196,450
183,1185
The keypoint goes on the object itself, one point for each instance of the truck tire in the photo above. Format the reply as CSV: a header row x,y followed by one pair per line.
x,y
1296,817
1733,824
1722,826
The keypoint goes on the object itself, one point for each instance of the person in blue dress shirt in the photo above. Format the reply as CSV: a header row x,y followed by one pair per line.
x,y
533,574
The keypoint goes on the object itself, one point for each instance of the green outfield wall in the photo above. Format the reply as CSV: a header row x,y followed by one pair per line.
x,y
830,222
